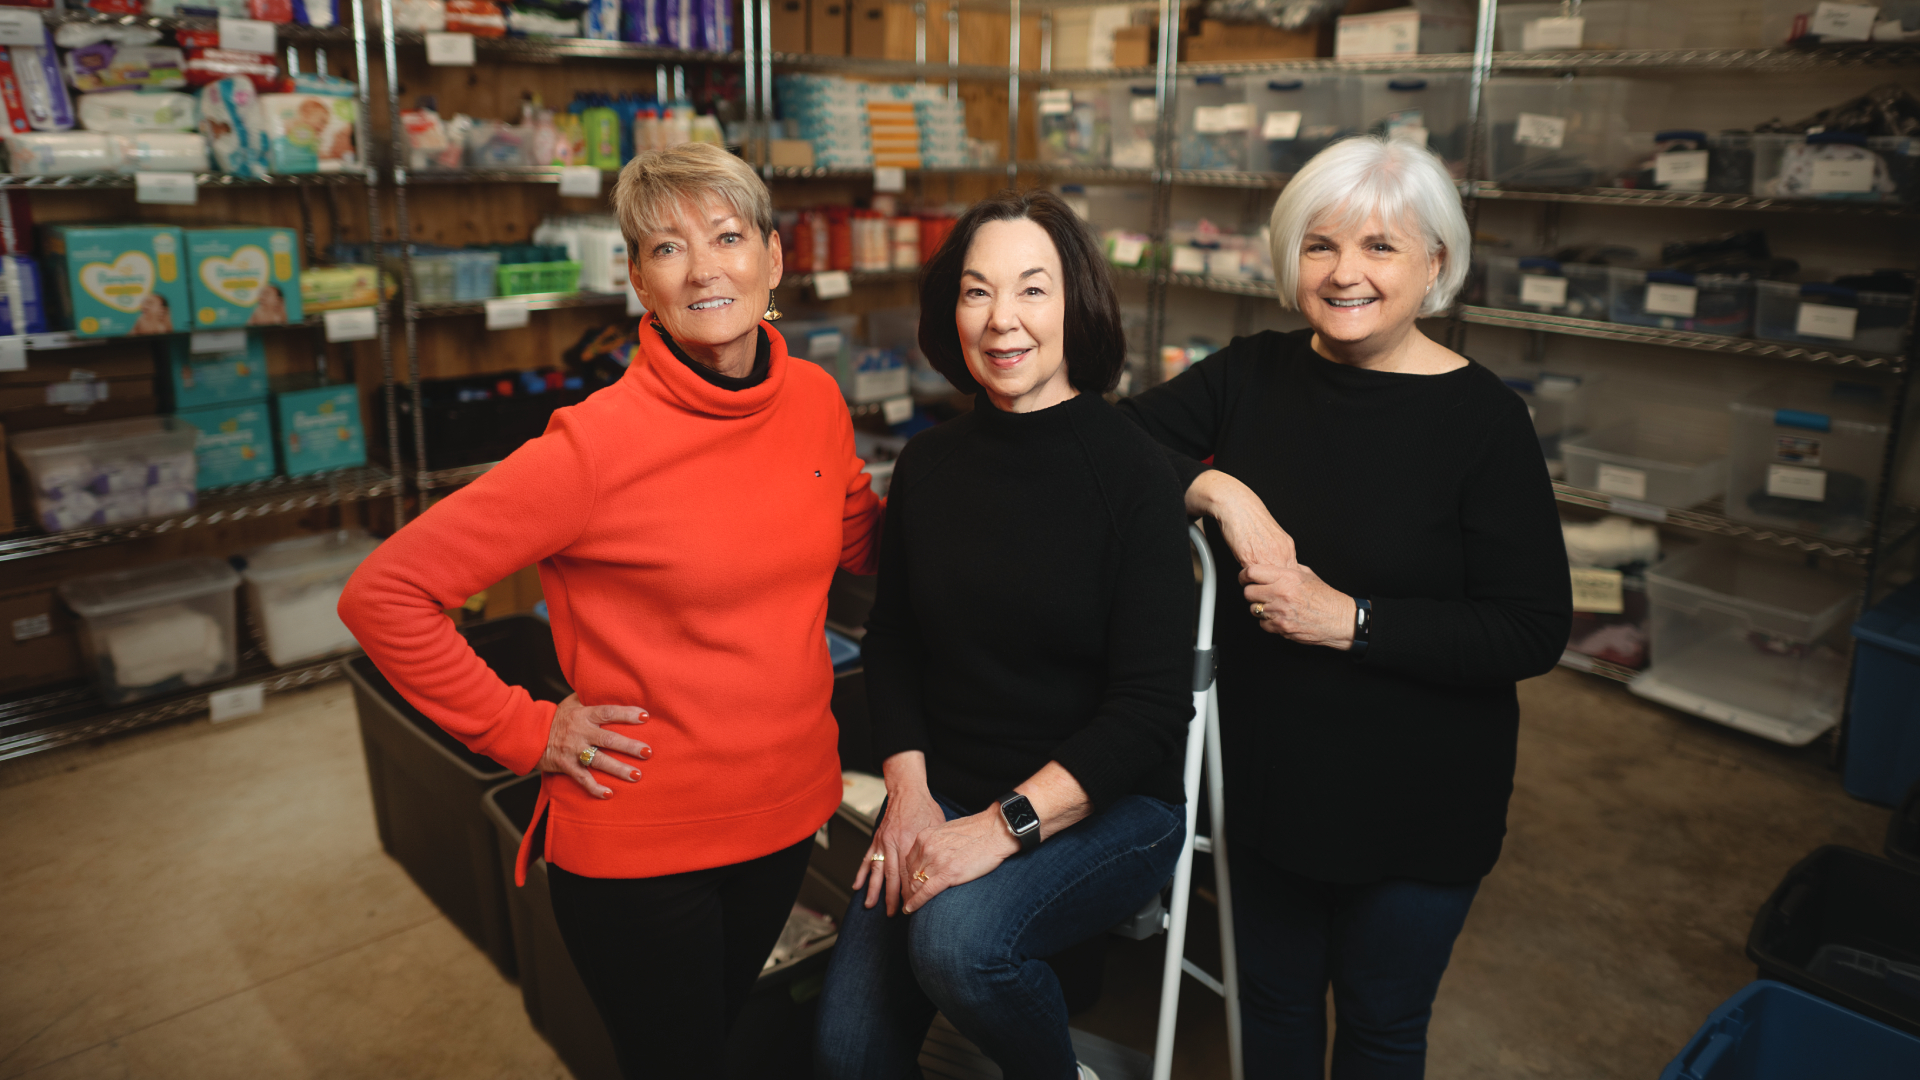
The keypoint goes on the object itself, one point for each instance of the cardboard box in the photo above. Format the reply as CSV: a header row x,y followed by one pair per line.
x,y
791,153
318,428
1133,46
827,27
1429,26
1220,42
243,277
789,26
113,280
867,29
39,640
235,444
198,380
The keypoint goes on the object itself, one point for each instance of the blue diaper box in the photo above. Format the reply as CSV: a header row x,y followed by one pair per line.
x,y
318,428
235,444
197,380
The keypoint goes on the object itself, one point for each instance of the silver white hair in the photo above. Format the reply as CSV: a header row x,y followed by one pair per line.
x,y
1355,178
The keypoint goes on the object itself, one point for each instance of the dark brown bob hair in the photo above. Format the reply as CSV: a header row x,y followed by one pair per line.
x,y
1096,345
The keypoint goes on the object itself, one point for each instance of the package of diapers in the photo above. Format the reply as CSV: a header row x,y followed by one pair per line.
x,y
108,65
63,153
309,131
163,151
235,126
126,113
113,280
43,93
243,277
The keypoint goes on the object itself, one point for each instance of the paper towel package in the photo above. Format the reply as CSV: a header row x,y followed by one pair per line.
x,y
197,380
243,277
235,444
112,280
319,429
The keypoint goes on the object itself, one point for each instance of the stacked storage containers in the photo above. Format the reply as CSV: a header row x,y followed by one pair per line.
x,y
1570,132
223,397
1134,116
1296,117
1429,108
1806,456
1214,123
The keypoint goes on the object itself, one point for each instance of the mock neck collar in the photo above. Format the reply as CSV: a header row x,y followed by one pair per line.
x,y
656,370
1048,419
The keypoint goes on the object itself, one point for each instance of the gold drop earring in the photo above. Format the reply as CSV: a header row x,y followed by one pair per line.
x,y
773,311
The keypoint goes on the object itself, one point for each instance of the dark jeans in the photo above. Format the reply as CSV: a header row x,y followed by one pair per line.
x,y
1382,946
974,951
669,961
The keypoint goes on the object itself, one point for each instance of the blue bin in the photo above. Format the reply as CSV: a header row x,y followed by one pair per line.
x,y
844,651
1770,1031
1883,726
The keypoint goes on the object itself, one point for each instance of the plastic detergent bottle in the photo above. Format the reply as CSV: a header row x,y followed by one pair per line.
x,y
646,129
602,126
680,122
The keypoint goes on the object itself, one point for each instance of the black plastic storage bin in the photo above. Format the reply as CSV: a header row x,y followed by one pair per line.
x,y
480,429
773,1039
427,787
1903,832
1845,925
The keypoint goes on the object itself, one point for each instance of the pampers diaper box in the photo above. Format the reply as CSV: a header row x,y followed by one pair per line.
x,y
112,280
318,428
235,443
243,277
196,380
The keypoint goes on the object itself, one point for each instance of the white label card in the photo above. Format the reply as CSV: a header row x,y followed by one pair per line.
x,y
22,26
1825,321
1664,299
1851,176
897,410
1142,110
832,284
32,626
236,701
218,341
1549,35
1127,250
1680,167
1794,482
450,50
352,324
889,178
1533,129
1843,22
1542,291
1622,481
1189,260
580,181
1598,591
1055,102
506,313
246,35
13,353
1281,125
1633,508
177,188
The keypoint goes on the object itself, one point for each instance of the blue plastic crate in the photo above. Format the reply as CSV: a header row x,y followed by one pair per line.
x,y
844,651
1770,1031
1883,729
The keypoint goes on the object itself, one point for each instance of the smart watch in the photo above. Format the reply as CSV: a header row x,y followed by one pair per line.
x,y
1021,820
1362,625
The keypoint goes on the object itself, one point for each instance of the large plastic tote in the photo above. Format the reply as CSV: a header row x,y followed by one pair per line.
x,y
427,787
1903,832
1883,729
773,1039
1843,924
1768,1031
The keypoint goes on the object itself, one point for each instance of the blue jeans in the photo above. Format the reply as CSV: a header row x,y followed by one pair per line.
x,y
1382,946
975,951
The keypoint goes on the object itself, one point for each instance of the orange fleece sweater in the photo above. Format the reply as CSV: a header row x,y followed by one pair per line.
x,y
686,536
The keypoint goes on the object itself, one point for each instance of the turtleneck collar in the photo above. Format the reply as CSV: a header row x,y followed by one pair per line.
x,y
753,377
993,418
656,370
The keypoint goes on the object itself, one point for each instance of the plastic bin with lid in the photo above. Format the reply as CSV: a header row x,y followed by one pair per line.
x,y
1074,126
1772,1031
110,472
1834,165
1430,107
1538,283
1646,462
1213,123
1841,925
157,629
1558,405
1805,455
1134,117
1606,24
293,591
1883,725
1753,642
1297,116
1569,132
1675,300
1831,316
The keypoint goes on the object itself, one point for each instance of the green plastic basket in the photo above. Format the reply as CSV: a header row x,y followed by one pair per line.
x,y
538,277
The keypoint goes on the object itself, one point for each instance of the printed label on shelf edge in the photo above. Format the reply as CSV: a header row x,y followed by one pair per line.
x,y
236,701
1598,591
831,285
1679,300
217,341
1843,22
1543,291
506,313
450,50
1127,250
1281,126
247,35
1552,35
1680,167
889,178
1843,176
897,410
1634,508
1055,102
1546,132
352,324
580,181
13,352
22,26
1622,481
1189,260
175,188
32,626
1794,482
1143,110
1826,321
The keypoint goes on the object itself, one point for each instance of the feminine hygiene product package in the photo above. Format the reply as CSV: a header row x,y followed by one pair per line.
x,y
243,277
111,280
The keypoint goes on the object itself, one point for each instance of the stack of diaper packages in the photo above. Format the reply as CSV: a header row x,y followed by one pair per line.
x,y
126,98
222,395
115,280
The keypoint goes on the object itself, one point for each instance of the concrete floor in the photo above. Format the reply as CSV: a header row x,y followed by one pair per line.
x,y
212,901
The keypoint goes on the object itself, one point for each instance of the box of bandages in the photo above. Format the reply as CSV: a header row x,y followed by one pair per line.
x,y
157,629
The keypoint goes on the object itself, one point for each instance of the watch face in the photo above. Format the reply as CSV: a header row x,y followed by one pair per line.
x,y
1020,816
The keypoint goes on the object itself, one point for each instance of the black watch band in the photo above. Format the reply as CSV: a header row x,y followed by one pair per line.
x,y
1362,625
1021,820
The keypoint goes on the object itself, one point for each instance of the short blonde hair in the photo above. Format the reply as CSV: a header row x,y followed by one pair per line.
x,y
1358,177
657,183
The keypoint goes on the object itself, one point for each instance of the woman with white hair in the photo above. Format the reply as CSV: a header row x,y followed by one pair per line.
x,y
1401,568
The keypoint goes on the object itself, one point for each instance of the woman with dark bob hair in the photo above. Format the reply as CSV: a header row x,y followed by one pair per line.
x,y
1027,664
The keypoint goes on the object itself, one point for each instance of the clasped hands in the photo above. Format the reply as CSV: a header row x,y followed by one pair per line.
x,y
1287,598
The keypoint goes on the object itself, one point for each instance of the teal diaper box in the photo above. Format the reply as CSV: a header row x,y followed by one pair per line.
x,y
113,280
235,444
243,277
197,380
318,428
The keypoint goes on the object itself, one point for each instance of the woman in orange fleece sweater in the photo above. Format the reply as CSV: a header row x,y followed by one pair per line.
x,y
686,521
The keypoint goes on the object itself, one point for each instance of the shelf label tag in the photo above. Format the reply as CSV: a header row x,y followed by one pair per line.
x,y
634,307
1633,508
1127,250
1849,176
1533,129
889,178
1825,321
32,626
1055,102
1617,480
1664,299
1281,126
1598,591
1189,260
832,284
580,181
897,410
1843,22
22,26
1543,291
506,313
1794,482
177,188
1222,119
246,35
1141,110
13,352
218,341
236,701
1680,167
1552,35
450,50
352,324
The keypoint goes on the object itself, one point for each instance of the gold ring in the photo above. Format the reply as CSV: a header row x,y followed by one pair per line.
x,y
587,755
1259,611
878,856
920,876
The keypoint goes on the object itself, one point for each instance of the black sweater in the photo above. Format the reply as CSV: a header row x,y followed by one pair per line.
x,y
1427,495
1035,603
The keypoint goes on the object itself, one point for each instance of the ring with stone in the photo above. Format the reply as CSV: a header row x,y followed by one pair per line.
x,y
1259,611
587,755
878,856
920,876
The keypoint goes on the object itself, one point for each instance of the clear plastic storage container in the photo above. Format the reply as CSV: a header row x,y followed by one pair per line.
x,y
1834,165
1133,115
293,589
1547,285
1672,300
1805,455
1609,24
1647,463
1431,107
1075,126
158,629
1213,124
1753,642
1831,316
1558,405
1297,116
108,473
1563,132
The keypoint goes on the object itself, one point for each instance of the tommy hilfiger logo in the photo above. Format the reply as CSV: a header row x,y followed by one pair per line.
x,y
816,472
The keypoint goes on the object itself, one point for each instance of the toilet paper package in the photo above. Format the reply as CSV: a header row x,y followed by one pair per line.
x,y
21,309
235,443
43,92
108,65
309,132
243,277
139,112
235,126
112,280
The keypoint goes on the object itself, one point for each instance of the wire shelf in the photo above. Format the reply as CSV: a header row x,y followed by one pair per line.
x,y
823,172
1685,200
1260,289
291,32
1710,517
534,301
855,277
59,340
442,479
1788,59
1678,339
554,50
96,181
1596,666
908,69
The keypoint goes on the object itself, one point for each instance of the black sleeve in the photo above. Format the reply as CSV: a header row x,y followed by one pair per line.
x,y
1185,413
892,652
1518,610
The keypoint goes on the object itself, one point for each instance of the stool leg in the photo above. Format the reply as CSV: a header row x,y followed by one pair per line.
x,y
1229,959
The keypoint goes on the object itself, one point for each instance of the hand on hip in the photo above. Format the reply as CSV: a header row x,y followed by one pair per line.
x,y
578,742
